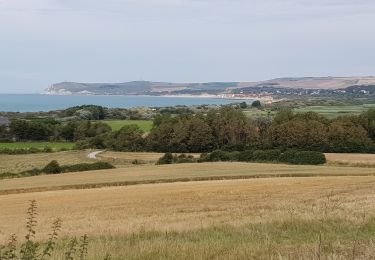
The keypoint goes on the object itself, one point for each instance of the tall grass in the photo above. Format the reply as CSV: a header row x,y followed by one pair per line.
x,y
32,249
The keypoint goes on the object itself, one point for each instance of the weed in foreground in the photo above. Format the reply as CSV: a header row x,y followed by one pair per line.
x,y
30,249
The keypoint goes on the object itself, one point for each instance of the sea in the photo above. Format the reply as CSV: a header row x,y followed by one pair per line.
x,y
40,102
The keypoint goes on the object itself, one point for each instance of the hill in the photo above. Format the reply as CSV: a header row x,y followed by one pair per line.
x,y
165,88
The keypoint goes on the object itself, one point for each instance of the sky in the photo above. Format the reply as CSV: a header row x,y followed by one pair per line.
x,y
48,41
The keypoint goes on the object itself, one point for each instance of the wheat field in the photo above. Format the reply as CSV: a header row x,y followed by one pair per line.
x,y
364,160
144,174
22,162
232,219
235,210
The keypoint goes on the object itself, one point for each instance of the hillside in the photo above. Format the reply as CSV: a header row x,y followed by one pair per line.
x,y
164,88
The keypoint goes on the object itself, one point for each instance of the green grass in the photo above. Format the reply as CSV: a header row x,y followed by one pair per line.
x,y
145,125
39,145
335,111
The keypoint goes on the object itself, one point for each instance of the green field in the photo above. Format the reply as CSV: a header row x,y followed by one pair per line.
x,y
39,145
145,125
335,111
327,111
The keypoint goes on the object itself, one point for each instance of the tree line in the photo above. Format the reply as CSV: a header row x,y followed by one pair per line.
x,y
229,129
226,128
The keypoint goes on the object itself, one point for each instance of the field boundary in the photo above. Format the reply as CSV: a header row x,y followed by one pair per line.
x,y
174,180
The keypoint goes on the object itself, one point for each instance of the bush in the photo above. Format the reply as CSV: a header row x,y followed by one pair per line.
x,y
288,156
52,168
246,156
166,159
183,158
47,149
303,157
266,155
87,167
217,156
310,158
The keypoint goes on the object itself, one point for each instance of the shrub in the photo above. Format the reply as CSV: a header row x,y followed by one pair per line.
x,y
310,157
166,159
266,155
47,149
52,168
234,156
183,158
87,167
246,156
303,157
218,155
288,156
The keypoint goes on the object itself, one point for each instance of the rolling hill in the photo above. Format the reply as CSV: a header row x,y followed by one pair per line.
x,y
164,88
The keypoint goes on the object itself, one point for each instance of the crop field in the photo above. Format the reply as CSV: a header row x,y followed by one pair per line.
x,y
364,160
145,125
335,111
23,162
145,174
125,158
199,210
39,145
271,218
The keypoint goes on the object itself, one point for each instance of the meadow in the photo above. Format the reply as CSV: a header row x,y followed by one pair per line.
x,y
145,125
39,145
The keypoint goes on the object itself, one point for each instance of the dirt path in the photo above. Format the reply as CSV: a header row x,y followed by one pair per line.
x,y
93,155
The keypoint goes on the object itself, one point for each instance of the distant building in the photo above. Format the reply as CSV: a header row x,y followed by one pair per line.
x,y
4,121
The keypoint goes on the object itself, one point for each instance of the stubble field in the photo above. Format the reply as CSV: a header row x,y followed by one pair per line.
x,y
329,217
200,210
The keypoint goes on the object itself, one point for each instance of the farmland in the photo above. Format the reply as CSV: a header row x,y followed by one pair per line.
x,y
237,219
335,111
145,125
363,160
145,174
23,162
219,210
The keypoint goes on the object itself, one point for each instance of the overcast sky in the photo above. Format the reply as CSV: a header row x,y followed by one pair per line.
x,y
47,41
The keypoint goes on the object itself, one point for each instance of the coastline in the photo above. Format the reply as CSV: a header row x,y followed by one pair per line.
x,y
265,99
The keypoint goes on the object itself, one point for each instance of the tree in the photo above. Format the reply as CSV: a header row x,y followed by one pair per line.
x,y
256,104
231,128
52,168
128,138
31,130
344,135
297,133
86,129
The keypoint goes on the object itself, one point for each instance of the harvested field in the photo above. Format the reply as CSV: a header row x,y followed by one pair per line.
x,y
172,173
351,159
198,220
23,162
126,158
